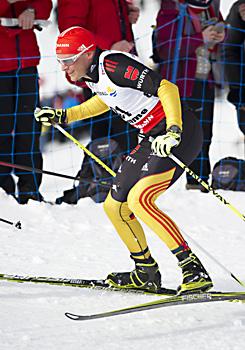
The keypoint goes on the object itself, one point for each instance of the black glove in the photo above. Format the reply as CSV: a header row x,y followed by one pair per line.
x,y
49,116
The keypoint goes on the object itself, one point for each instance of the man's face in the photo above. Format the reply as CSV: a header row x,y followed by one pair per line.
x,y
242,11
76,66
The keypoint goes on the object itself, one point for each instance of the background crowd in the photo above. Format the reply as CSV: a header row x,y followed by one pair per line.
x,y
193,46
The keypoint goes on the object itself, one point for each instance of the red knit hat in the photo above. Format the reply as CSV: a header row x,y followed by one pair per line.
x,y
75,40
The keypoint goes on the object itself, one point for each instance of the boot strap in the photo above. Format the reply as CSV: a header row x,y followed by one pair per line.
x,y
187,261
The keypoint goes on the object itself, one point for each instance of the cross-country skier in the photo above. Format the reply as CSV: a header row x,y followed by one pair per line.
x,y
151,104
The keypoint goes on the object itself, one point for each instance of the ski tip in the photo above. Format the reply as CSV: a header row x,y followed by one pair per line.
x,y
72,316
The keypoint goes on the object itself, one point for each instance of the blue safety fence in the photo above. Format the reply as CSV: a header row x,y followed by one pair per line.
x,y
19,133
203,72
25,142
175,48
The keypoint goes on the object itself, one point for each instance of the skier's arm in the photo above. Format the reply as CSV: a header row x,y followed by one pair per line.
x,y
168,94
131,73
90,108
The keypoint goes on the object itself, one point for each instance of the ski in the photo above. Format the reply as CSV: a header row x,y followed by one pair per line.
x,y
193,298
82,283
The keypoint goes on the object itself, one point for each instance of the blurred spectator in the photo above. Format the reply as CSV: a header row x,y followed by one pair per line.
x,y
19,95
235,58
111,23
197,69
58,101
70,99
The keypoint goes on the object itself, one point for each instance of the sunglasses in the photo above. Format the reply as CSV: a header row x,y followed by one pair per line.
x,y
68,61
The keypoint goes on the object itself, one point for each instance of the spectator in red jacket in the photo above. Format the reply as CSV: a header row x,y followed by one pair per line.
x,y
19,95
111,23
196,70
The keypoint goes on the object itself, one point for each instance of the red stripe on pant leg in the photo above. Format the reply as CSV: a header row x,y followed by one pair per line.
x,y
156,217
151,210
166,222
165,218
158,212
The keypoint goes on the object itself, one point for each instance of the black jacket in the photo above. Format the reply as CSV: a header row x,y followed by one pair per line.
x,y
235,55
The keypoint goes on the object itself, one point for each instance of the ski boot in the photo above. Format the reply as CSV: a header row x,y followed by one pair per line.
x,y
195,277
145,276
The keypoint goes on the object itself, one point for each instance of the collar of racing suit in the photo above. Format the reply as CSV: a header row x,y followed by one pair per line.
x,y
93,72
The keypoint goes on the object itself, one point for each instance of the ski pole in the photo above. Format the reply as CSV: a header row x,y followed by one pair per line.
x,y
215,260
36,170
90,154
40,171
182,165
206,186
210,189
17,225
174,158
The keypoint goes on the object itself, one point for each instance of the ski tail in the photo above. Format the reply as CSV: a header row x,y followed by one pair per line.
x,y
83,283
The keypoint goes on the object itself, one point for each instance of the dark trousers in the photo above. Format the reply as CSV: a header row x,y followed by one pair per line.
x,y
241,119
201,104
19,132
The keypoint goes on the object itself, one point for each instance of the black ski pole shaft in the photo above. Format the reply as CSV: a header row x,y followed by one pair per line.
x,y
39,171
17,225
215,260
206,186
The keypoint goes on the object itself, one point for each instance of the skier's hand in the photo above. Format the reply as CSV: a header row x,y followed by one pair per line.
x,y
163,144
122,45
49,116
134,13
241,10
26,19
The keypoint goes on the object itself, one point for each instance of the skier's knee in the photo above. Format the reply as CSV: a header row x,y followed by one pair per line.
x,y
116,210
133,199
110,205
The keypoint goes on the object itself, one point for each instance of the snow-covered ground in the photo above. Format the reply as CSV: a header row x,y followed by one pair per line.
x,y
78,241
